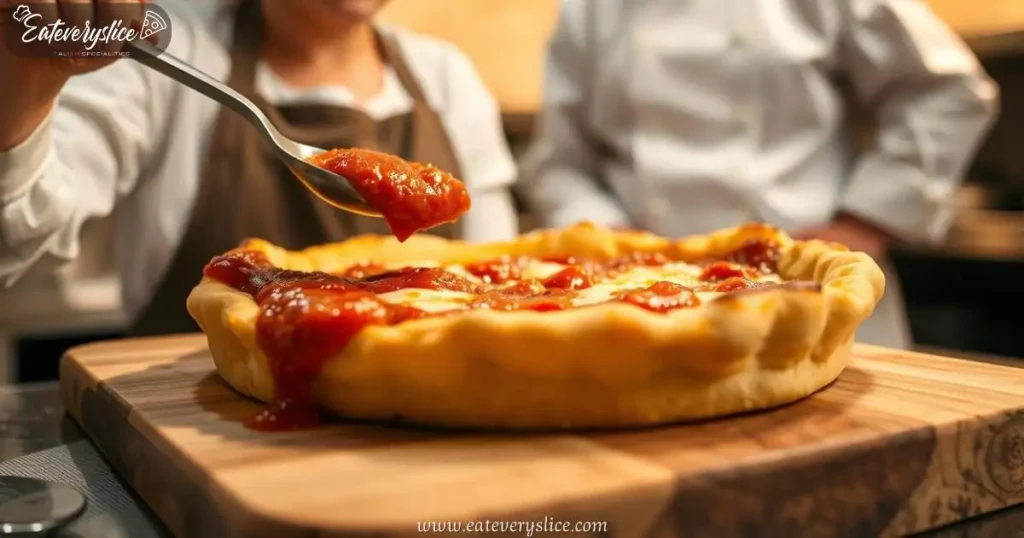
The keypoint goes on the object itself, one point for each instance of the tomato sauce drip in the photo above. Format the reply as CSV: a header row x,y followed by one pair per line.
x,y
761,254
411,196
498,271
245,270
299,329
661,297
305,319
423,278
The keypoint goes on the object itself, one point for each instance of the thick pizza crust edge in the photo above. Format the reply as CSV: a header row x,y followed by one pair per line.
x,y
610,365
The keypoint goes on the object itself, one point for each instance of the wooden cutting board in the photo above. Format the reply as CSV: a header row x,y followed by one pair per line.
x,y
902,442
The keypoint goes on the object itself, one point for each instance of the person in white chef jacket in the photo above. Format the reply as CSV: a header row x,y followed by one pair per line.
x,y
684,116
190,178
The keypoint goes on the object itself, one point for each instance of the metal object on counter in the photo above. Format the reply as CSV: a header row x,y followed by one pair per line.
x,y
29,506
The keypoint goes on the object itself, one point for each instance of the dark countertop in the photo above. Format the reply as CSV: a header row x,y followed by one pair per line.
x,y
997,44
965,294
32,419
33,425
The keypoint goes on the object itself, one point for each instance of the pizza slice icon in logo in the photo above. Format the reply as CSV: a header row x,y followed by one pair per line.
x,y
152,24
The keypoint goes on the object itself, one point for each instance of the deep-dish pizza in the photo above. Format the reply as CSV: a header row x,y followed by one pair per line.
x,y
575,328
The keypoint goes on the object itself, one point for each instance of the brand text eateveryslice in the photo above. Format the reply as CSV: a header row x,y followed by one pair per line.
x,y
60,32
87,35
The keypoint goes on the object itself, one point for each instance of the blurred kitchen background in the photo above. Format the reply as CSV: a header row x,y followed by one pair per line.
x,y
964,298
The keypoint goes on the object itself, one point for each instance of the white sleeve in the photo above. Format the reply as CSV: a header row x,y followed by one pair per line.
x,y
106,126
75,166
492,217
933,103
473,121
559,171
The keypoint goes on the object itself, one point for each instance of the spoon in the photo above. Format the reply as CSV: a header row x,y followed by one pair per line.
x,y
330,187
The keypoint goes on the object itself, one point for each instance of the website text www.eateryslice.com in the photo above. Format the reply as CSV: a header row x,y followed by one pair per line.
x,y
528,528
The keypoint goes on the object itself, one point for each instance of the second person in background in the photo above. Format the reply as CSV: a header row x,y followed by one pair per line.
x,y
684,116
192,179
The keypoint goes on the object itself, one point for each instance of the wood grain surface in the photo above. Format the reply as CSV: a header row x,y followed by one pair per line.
x,y
902,442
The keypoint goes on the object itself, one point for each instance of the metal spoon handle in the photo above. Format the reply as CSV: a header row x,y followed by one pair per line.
x,y
331,187
149,55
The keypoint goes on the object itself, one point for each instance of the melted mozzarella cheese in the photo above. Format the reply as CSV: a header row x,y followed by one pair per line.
x,y
429,300
643,277
540,269
461,271
680,273
597,293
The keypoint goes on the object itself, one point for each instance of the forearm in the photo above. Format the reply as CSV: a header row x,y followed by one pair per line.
x,y
934,104
27,100
38,204
34,205
57,171
927,138
72,167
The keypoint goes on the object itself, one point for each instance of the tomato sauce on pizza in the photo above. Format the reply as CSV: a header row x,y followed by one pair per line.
x,y
411,196
306,318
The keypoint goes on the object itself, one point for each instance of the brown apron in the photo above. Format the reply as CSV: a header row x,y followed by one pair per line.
x,y
246,192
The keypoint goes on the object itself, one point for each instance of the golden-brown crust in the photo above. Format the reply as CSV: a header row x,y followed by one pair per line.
x,y
608,365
